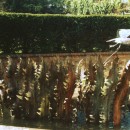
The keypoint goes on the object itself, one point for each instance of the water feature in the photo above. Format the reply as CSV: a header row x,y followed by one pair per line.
x,y
56,125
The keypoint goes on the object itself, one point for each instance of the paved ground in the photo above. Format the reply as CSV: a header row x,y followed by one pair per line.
x,y
2,127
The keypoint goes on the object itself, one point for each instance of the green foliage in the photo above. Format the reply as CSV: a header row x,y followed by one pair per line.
x,y
79,7
27,33
60,87
34,6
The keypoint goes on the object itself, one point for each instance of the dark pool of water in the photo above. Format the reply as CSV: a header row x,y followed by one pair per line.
x,y
55,125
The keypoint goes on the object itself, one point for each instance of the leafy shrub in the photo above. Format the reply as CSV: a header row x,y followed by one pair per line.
x,y
83,7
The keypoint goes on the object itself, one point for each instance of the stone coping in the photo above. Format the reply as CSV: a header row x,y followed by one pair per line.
x,y
65,54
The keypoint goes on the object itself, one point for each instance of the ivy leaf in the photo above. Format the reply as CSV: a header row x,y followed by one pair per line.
x,y
19,97
26,98
28,94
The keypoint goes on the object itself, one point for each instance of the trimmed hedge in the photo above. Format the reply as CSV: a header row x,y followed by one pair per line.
x,y
36,33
